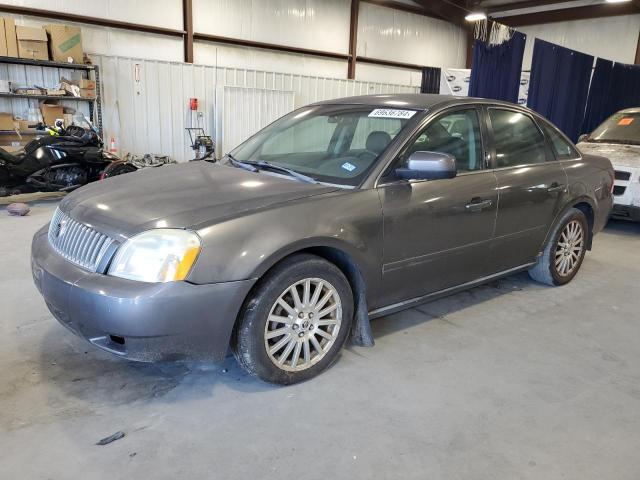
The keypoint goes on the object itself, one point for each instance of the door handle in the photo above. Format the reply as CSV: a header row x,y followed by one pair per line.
x,y
477,204
556,187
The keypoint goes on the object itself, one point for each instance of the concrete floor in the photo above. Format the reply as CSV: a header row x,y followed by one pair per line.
x,y
512,380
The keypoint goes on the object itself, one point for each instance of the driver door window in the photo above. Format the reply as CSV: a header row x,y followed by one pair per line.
x,y
457,134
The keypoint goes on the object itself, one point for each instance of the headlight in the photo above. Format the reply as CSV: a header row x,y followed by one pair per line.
x,y
162,255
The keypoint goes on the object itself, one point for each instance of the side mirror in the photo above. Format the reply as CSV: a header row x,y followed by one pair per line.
x,y
584,137
428,166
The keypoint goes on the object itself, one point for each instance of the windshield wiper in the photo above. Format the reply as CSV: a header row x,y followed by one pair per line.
x,y
239,164
266,165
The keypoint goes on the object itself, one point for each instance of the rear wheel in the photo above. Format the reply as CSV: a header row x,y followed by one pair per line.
x,y
295,322
564,252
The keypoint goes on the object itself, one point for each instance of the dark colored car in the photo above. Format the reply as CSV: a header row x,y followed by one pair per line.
x,y
337,213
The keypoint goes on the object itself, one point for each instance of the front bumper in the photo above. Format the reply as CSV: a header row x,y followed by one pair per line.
x,y
626,212
135,320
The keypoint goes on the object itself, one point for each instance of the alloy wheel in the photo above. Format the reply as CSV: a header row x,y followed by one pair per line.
x,y
569,248
303,324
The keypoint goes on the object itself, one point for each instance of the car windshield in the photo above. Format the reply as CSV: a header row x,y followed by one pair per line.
x,y
619,128
335,144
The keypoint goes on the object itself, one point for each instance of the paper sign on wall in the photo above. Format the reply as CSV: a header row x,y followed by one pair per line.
x,y
392,113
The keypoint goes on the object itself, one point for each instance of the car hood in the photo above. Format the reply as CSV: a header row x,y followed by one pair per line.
x,y
619,154
187,195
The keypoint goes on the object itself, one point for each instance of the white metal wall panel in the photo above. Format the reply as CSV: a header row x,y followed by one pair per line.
x,y
150,116
613,38
247,110
406,37
378,73
259,59
313,24
159,13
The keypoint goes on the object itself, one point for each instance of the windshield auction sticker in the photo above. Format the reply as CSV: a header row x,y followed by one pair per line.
x,y
392,113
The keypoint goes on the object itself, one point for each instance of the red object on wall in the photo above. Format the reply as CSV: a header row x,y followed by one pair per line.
x,y
193,104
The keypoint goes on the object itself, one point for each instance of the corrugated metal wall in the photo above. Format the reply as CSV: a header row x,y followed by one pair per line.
x,y
145,102
247,110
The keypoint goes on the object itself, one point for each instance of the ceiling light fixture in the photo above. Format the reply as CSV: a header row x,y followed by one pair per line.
x,y
617,1
475,16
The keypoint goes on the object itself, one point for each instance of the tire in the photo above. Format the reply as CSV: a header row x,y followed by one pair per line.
x,y
549,268
283,345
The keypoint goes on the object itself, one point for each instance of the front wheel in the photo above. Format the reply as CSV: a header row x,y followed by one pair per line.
x,y
295,321
564,252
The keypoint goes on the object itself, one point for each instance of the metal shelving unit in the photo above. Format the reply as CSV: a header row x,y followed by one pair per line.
x,y
92,72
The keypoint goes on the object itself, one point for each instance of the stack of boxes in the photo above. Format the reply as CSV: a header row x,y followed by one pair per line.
x,y
60,43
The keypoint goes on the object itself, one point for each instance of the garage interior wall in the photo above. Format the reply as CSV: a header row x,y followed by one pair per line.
x,y
383,33
145,102
613,38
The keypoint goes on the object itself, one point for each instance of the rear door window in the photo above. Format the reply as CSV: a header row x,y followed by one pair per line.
x,y
562,148
516,139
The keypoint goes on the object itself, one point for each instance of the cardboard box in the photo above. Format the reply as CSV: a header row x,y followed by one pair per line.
x,y
32,43
6,122
3,39
84,93
87,84
23,126
65,43
51,113
10,37
13,148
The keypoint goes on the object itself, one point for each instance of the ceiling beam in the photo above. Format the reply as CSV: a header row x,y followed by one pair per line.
x,y
403,7
445,9
448,10
568,14
526,4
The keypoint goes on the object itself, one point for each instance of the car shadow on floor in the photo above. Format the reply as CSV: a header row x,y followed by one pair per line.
x,y
440,309
622,227
81,371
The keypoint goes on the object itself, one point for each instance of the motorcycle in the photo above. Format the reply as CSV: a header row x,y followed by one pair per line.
x,y
62,160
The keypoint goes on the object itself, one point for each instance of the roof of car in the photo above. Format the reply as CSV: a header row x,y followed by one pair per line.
x,y
417,101
630,110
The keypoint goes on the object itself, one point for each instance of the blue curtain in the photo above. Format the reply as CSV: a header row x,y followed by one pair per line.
x,y
614,86
430,80
496,69
625,86
598,107
559,85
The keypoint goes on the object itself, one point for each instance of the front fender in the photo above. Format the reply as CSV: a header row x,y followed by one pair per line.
x,y
247,246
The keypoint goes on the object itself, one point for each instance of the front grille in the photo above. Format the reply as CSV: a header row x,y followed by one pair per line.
x,y
622,175
619,190
78,243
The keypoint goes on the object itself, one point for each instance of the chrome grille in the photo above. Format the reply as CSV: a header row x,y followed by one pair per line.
x,y
78,243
